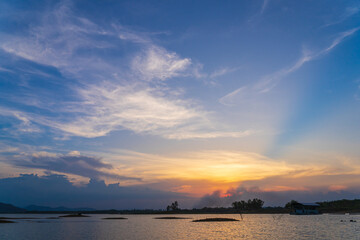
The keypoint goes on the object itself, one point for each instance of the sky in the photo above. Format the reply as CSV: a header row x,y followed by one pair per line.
x,y
135,104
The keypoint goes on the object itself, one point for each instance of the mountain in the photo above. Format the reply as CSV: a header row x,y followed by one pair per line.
x,y
57,209
8,208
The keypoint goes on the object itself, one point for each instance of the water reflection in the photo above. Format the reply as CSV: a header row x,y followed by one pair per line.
x,y
253,226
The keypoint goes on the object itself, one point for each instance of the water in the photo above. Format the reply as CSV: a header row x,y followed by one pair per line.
x,y
253,226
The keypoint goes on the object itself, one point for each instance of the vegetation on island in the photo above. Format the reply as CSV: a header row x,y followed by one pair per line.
x,y
340,206
173,206
250,205
291,204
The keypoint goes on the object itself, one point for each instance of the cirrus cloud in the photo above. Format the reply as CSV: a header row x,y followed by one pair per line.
x,y
105,93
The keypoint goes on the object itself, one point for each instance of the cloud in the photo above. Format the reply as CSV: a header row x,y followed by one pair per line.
x,y
22,123
72,163
348,13
278,190
270,81
56,40
259,12
8,149
211,200
275,198
188,134
229,98
6,70
56,190
112,107
220,166
102,92
263,6
338,40
157,63
223,71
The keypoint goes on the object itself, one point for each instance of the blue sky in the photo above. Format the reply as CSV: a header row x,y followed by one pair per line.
x,y
183,96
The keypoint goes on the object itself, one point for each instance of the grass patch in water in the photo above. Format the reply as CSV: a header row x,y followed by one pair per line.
x,y
6,221
74,215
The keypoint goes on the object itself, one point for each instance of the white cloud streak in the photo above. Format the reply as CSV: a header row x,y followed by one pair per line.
x,y
110,107
223,71
270,81
110,94
157,63
263,6
348,13
23,123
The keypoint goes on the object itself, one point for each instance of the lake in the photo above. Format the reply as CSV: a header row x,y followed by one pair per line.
x,y
253,226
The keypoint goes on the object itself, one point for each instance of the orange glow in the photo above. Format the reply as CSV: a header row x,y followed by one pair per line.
x,y
337,187
284,188
203,172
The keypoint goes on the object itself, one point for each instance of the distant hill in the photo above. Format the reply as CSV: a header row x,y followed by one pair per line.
x,y
8,208
56,209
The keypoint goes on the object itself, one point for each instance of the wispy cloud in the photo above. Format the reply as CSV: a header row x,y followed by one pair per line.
x,y
2,69
263,6
338,40
260,11
270,81
157,63
110,93
348,13
23,123
229,98
188,134
110,107
223,71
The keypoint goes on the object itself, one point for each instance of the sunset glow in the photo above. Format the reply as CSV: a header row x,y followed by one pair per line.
x,y
230,100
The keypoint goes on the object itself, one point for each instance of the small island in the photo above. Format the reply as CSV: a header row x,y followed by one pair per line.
x,y
74,215
170,218
6,221
216,220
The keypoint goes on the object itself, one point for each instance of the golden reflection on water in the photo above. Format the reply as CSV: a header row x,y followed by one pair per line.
x,y
253,226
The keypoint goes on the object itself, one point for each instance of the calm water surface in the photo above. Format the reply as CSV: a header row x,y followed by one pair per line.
x,y
253,226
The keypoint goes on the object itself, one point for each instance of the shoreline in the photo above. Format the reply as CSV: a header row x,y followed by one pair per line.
x,y
173,213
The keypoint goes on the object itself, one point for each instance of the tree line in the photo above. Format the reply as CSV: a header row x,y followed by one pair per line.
x,y
249,205
256,205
